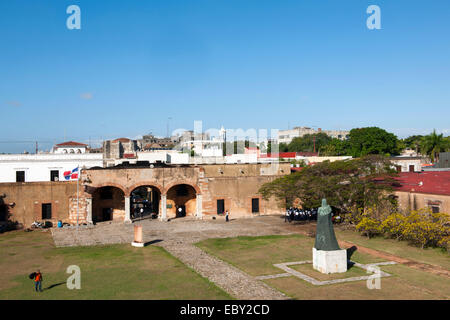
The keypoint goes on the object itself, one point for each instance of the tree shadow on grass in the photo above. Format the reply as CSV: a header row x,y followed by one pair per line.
x,y
54,285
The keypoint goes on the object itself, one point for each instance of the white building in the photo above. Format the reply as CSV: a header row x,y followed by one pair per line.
x,y
44,167
409,164
70,147
286,136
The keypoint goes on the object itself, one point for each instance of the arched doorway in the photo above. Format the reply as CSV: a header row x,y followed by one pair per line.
x,y
108,203
181,201
144,202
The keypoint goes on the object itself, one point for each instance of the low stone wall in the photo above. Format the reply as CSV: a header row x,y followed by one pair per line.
x,y
24,200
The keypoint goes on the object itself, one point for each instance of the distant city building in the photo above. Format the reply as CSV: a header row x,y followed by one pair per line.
x,y
70,147
417,190
150,142
409,164
286,136
444,160
119,148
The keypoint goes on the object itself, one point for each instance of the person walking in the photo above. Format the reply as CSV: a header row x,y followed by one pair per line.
x,y
226,216
38,281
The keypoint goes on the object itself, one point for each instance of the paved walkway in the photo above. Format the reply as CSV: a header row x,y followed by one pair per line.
x,y
183,229
234,281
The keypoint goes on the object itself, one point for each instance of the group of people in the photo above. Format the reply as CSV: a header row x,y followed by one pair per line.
x,y
295,214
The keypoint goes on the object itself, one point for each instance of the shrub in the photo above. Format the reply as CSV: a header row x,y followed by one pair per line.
x,y
444,243
394,225
369,226
422,227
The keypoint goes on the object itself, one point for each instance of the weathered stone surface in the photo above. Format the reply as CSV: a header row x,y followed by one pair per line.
x,y
334,261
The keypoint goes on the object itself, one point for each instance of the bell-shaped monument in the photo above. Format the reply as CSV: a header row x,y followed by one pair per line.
x,y
327,256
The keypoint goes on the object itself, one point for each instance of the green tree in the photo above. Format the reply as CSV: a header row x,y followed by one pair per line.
x,y
335,147
413,142
434,143
347,185
307,142
372,140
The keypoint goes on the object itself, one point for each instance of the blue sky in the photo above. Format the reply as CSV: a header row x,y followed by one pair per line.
x,y
238,63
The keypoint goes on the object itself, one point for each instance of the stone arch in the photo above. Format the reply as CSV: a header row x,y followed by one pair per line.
x,y
108,204
181,200
145,200
193,185
110,184
143,184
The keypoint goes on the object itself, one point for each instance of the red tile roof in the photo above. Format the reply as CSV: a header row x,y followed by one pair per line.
x,y
289,154
122,140
71,144
432,182
279,155
129,155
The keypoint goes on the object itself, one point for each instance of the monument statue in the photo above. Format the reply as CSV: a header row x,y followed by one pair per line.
x,y
325,237
327,256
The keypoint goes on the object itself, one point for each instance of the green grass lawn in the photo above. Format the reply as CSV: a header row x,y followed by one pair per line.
x,y
107,272
256,256
435,256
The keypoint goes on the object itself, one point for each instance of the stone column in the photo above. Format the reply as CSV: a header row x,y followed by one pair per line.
x,y
127,210
89,210
199,207
163,207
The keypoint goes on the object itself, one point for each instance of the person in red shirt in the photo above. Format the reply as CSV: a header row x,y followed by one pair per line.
x,y
38,281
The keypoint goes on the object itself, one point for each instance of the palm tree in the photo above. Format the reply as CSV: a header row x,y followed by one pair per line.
x,y
432,144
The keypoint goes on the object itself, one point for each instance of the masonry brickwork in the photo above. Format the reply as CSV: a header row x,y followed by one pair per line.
x,y
24,201
235,184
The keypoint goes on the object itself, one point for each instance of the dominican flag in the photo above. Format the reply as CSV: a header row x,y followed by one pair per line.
x,y
71,175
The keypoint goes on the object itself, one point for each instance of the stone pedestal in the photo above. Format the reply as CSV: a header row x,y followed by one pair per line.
x,y
334,261
138,242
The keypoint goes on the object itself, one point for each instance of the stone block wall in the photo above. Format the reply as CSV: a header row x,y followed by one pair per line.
x,y
24,200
